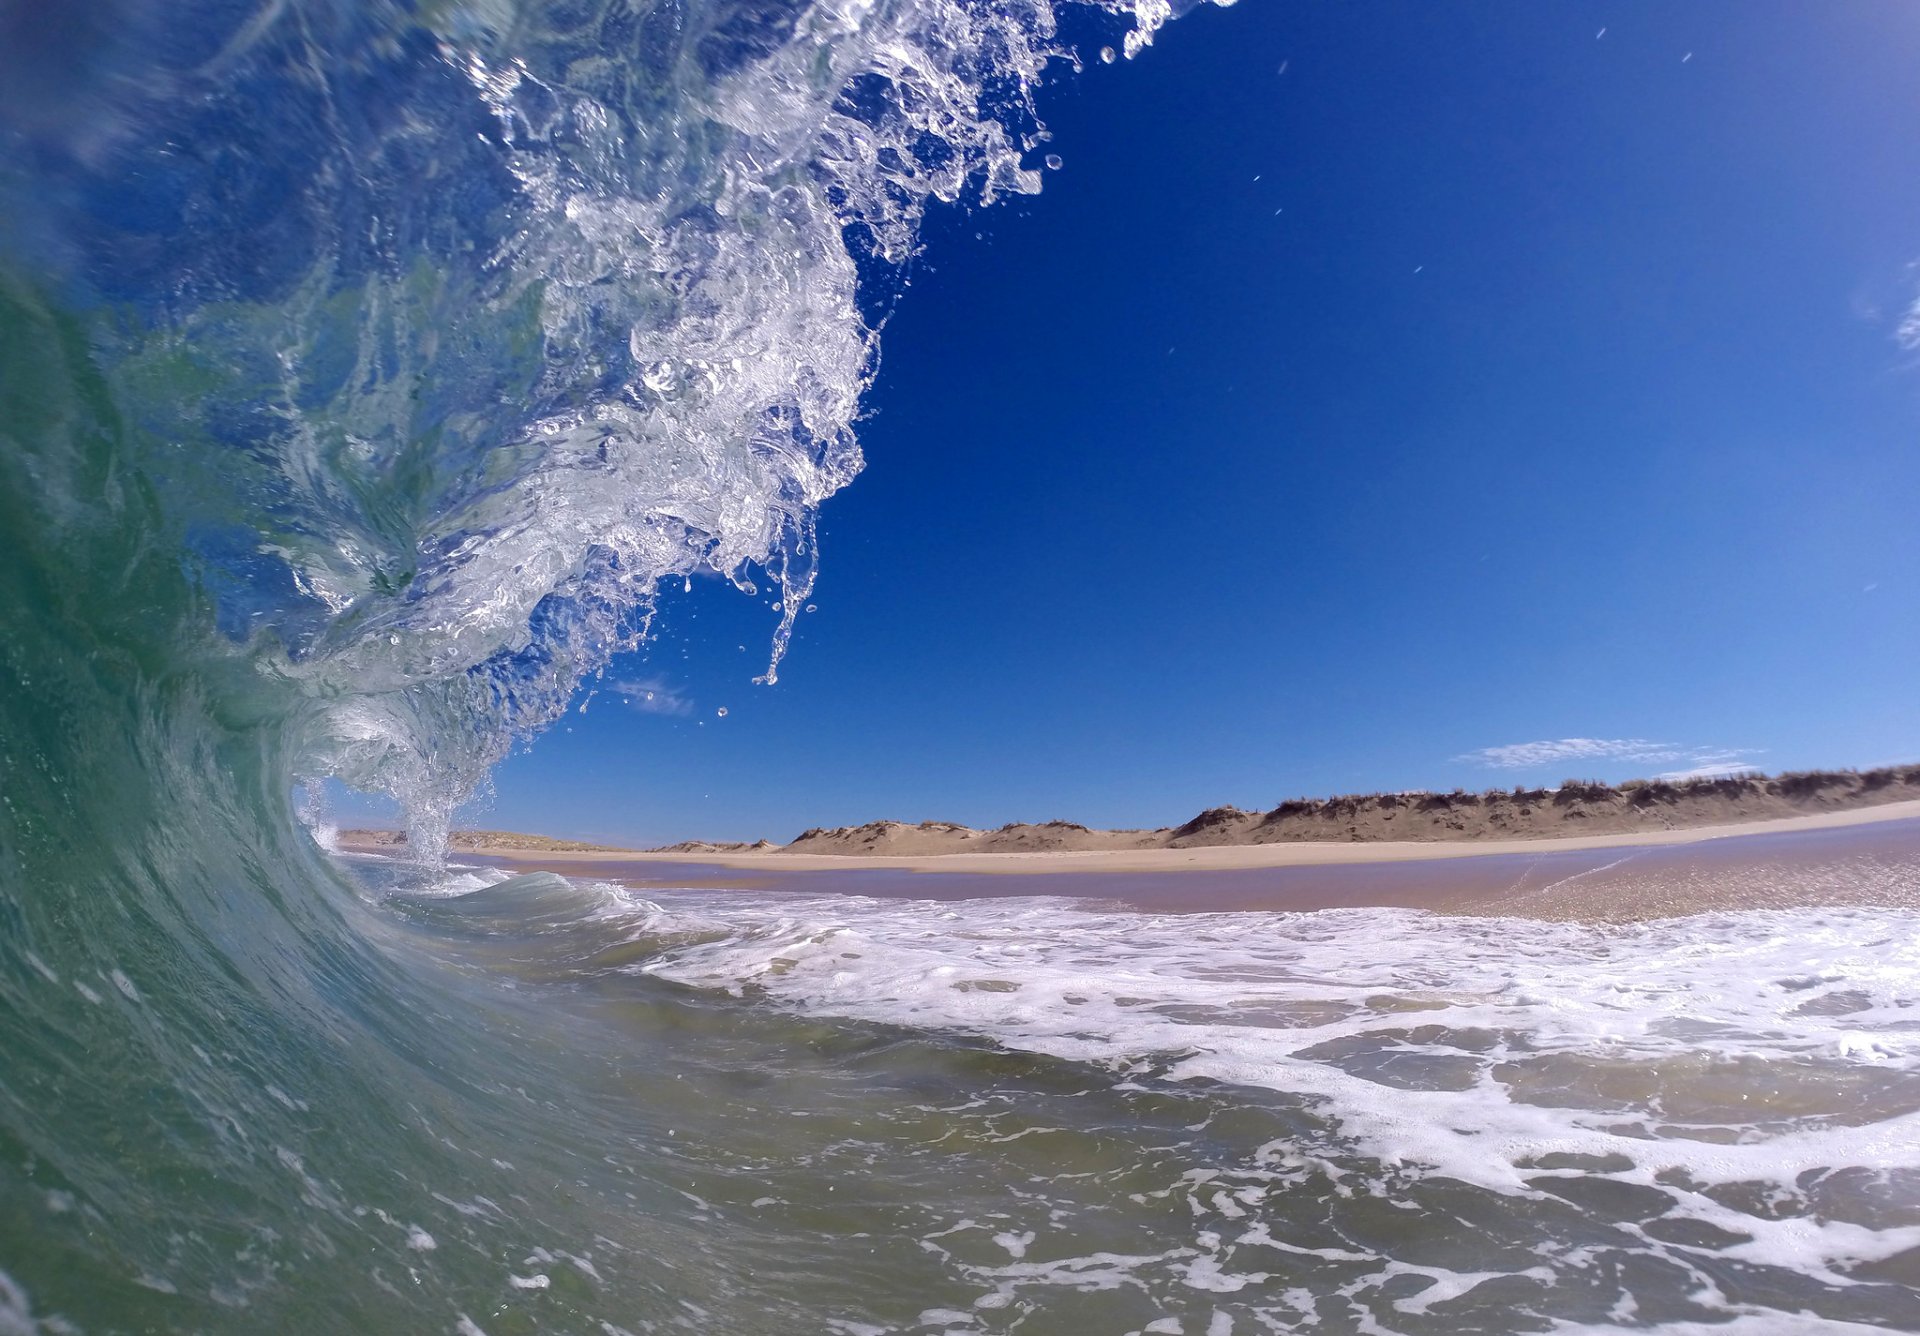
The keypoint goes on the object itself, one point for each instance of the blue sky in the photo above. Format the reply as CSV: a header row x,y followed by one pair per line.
x,y
1376,386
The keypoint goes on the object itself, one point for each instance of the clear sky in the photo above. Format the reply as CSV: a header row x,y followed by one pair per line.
x,y
1376,384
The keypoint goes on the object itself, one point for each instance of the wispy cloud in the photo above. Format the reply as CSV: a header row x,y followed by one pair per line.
x,y
1708,764
1690,761
1553,751
653,695
1908,334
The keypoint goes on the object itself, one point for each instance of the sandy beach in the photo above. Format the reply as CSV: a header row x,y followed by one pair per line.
x,y
1644,850
1207,858
1869,857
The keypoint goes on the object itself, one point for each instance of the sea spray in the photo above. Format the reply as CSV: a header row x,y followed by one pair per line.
x,y
435,338
364,369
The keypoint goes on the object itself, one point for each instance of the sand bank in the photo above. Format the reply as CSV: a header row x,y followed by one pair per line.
x,y
1777,865
1222,857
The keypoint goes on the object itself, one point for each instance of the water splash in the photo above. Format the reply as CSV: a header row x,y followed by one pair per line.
x,y
442,336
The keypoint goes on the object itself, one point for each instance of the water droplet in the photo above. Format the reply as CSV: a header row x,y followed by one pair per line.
x,y
658,377
722,712
1106,55
393,640
813,607
1054,162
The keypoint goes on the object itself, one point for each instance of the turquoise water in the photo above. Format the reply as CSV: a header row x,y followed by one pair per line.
x,y
365,372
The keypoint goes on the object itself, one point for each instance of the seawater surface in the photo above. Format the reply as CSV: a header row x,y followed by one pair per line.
x,y
1037,1113
466,1099
368,370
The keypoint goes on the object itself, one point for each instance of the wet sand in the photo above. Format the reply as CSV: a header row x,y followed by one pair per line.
x,y
1865,858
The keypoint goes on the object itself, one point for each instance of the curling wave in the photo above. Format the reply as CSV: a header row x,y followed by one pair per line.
x,y
366,370
434,338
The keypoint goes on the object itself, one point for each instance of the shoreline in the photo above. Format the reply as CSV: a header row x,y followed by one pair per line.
x,y
1221,858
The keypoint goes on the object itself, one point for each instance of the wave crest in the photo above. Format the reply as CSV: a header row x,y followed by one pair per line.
x,y
445,337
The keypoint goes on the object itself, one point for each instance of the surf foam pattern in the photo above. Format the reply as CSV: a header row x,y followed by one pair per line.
x,y
1739,1092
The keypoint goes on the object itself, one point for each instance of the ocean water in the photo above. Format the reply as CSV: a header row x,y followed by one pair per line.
x,y
367,371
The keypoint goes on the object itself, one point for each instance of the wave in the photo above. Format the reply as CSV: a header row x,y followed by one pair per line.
x,y
433,339
367,370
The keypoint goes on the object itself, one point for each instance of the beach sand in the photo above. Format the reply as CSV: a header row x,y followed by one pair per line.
x,y
1204,858
1869,856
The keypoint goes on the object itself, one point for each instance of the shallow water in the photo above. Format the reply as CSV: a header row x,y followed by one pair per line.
x,y
528,1103
1084,1117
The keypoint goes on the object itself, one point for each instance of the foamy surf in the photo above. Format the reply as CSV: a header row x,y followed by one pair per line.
x,y
1683,1114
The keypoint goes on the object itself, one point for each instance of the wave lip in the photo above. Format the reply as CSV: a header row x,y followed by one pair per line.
x,y
443,338
366,370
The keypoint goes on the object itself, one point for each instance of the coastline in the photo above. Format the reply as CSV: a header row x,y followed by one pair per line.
x,y
1782,865
1228,857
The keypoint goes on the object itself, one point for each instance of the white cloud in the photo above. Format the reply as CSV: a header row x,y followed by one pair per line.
x,y
1712,765
1632,751
653,695
1532,755
1908,335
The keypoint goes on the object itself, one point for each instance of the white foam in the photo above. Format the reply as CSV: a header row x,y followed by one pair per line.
x,y
16,1313
1751,1324
1723,1048
458,879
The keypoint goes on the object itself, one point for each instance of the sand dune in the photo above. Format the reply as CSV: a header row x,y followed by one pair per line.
x,y
1381,827
1579,811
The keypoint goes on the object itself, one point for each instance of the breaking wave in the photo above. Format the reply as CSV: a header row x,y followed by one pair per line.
x,y
430,340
